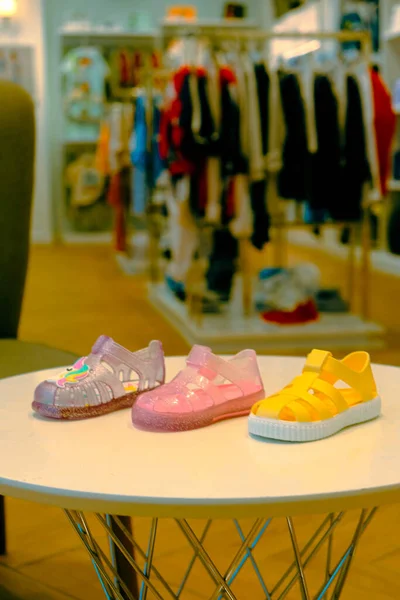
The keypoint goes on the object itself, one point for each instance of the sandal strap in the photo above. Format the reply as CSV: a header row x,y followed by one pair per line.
x,y
333,370
211,366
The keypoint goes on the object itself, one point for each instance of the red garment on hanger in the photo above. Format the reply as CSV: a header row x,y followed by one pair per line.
x,y
136,65
385,127
117,196
123,69
171,132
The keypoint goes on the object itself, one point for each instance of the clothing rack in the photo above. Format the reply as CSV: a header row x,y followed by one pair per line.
x,y
280,225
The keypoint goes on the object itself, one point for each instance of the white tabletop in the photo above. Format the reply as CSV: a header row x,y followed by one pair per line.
x,y
106,465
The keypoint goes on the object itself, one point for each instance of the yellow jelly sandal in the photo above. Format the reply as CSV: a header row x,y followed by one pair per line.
x,y
311,407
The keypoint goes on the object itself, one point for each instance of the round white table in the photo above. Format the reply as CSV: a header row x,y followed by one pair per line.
x,y
108,467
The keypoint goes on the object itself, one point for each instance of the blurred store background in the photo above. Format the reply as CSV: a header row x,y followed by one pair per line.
x,y
221,173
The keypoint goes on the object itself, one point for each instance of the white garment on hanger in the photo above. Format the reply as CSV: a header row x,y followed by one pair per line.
x,y
276,127
196,108
242,224
121,123
340,89
362,75
183,232
243,104
307,79
256,158
214,186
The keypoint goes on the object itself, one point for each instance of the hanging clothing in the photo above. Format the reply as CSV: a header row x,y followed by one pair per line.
x,y
324,179
276,125
199,136
384,126
361,74
258,83
355,170
119,197
113,161
292,180
255,157
225,251
183,231
212,210
233,163
263,83
172,131
147,162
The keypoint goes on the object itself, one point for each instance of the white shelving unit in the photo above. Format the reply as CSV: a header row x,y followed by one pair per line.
x,y
105,39
228,331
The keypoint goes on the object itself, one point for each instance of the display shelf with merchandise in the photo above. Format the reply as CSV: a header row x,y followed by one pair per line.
x,y
394,185
185,301
228,331
78,135
381,259
208,25
391,36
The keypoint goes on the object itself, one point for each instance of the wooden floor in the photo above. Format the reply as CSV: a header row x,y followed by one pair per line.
x,y
73,295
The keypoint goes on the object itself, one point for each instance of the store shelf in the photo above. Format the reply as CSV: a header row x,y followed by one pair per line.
x,y
108,38
394,185
391,36
377,58
206,26
381,260
211,24
70,144
229,331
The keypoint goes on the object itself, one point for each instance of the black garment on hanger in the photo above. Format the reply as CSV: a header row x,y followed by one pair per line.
x,y
355,170
324,179
258,189
233,161
222,263
261,218
263,83
292,180
197,146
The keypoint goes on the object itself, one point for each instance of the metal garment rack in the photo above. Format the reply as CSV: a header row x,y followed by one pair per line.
x,y
279,222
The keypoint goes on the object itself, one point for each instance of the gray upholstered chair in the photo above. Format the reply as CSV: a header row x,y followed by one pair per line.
x,y
17,158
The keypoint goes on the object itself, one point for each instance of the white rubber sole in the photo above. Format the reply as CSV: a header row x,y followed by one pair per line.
x,y
288,431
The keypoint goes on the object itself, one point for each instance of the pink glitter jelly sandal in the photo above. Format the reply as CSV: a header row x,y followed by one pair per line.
x,y
109,379
208,390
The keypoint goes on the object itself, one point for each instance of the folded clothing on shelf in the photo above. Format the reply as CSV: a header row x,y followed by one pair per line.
x,y
288,291
210,302
331,301
305,312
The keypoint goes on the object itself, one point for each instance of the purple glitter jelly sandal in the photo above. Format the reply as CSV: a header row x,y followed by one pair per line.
x,y
109,379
